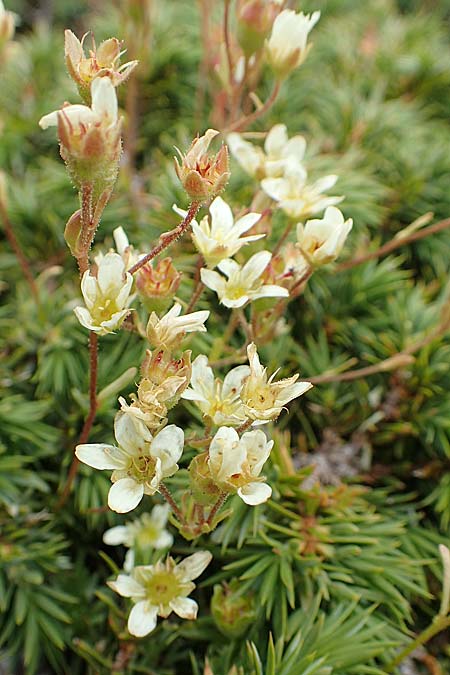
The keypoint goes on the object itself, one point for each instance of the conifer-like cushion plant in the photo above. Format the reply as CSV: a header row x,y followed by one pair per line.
x,y
225,337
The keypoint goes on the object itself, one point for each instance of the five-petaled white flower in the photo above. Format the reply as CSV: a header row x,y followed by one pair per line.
x,y
287,47
244,283
298,198
279,153
170,329
321,240
263,398
219,237
218,401
105,295
235,463
159,590
147,532
140,461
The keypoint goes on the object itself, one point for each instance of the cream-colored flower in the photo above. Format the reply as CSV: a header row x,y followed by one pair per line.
x,y
123,247
280,153
321,240
144,533
235,463
159,590
105,295
171,328
203,175
297,197
140,461
244,283
263,398
287,47
217,400
218,236
103,61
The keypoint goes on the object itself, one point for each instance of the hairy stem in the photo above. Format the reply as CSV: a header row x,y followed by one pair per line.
x,y
171,501
168,238
217,506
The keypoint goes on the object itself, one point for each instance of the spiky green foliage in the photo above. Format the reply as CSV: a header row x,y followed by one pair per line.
x,y
342,562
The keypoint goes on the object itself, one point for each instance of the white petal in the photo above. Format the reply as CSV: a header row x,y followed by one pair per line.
x,y
110,271
85,318
142,619
131,434
276,140
194,565
125,495
213,280
255,493
254,267
168,446
271,291
165,540
116,535
100,455
89,289
127,587
184,607
221,215
293,391
229,267
104,98
226,454
234,380
246,222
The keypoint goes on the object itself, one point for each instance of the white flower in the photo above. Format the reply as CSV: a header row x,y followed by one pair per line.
x,y
220,237
147,532
287,48
321,240
243,283
218,401
160,590
139,462
279,153
298,198
263,398
171,328
80,118
106,295
235,463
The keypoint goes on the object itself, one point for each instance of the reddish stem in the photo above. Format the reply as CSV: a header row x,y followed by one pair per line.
x,y
89,421
171,501
245,121
217,506
168,238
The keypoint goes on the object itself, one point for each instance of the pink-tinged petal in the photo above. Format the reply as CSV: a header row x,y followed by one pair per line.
x,y
125,495
186,608
193,566
116,536
99,456
127,587
255,493
142,619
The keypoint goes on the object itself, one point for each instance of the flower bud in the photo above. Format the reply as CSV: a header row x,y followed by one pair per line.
x,y
203,176
157,284
73,231
90,141
232,611
101,62
172,376
255,19
204,490
287,46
